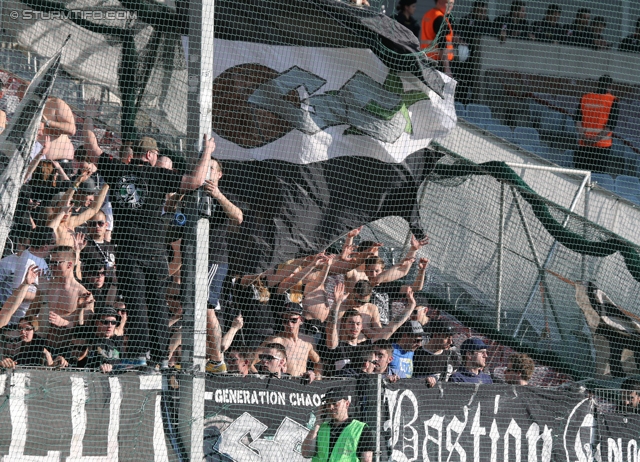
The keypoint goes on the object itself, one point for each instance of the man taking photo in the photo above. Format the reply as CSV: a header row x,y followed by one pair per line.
x,y
335,435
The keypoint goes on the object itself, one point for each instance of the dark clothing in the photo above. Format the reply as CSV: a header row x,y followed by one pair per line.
x,y
410,23
630,44
462,375
383,296
516,28
367,440
440,366
143,282
437,25
32,353
546,31
259,318
578,36
104,351
470,29
138,194
218,225
343,358
105,253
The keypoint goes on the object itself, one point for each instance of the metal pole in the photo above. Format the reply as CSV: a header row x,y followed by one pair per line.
x,y
574,203
500,256
196,255
378,416
587,200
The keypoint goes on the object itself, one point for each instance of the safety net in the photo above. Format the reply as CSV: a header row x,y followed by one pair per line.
x,y
292,230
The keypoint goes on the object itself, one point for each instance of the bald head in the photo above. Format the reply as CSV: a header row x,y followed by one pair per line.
x,y
164,162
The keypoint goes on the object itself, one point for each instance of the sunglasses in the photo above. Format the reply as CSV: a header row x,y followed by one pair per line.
x,y
266,358
26,329
108,322
96,223
58,262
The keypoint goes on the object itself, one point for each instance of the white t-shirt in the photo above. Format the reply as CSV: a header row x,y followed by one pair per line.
x,y
24,262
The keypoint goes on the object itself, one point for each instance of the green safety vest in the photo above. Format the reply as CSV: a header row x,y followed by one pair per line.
x,y
345,449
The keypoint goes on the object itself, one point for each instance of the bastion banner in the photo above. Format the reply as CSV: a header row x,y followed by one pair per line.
x,y
619,438
462,422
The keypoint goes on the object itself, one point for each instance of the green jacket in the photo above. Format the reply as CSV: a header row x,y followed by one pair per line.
x,y
345,449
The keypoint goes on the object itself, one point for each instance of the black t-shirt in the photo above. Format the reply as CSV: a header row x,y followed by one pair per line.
x,y
471,30
137,194
104,252
442,366
32,353
545,31
367,442
382,296
259,319
343,357
104,351
218,224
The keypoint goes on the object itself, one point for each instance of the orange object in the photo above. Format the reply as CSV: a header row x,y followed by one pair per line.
x,y
428,35
596,108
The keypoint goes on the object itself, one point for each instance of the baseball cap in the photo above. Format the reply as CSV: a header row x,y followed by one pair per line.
x,y
439,327
335,394
104,311
147,143
411,328
293,308
472,344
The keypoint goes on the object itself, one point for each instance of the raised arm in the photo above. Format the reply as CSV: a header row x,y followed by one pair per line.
x,y
295,278
387,331
17,297
397,271
82,218
227,338
36,160
232,211
195,179
418,283
340,296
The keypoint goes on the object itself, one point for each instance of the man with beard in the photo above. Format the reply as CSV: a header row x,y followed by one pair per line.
x,y
437,360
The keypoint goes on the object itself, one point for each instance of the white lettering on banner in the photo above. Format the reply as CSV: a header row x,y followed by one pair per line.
x,y
79,421
477,431
434,422
3,381
533,436
284,445
614,449
632,451
280,398
458,427
18,411
514,430
154,382
396,415
586,455
494,435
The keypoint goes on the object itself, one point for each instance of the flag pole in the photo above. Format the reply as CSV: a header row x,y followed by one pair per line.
x,y
199,55
16,141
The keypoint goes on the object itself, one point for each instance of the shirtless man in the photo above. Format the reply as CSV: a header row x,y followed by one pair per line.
x,y
59,124
371,327
298,351
61,301
60,216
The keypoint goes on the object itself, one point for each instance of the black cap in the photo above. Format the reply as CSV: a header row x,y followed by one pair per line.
x,y
411,328
292,308
472,344
336,394
106,311
439,327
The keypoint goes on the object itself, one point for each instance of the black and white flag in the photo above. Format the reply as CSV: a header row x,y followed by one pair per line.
x,y
16,142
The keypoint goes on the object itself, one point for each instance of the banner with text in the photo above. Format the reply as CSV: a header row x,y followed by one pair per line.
x,y
486,423
619,438
253,419
81,416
